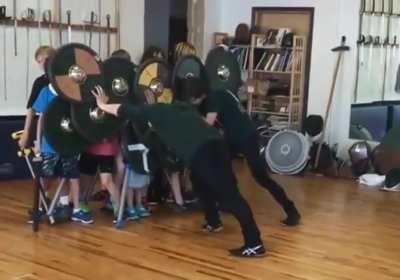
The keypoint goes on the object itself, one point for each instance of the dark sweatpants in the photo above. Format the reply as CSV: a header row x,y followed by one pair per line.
x,y
214,182
250,149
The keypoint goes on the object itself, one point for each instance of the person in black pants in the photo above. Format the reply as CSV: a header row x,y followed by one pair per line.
x,y
201,149
223,108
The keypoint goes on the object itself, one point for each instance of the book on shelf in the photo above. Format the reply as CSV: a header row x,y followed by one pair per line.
x,y
261,61
246,60
269,63
274,66
274,38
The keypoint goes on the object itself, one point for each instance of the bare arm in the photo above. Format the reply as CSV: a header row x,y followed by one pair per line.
x,y
102,99
38,141
211,118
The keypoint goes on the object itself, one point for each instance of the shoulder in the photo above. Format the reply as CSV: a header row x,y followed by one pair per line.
x,y
44,92
41,82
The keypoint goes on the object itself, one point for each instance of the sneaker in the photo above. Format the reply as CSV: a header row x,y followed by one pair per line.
x,y
179,209
84,206
41,215
212,228
80,216
131,214
143,212
257,251
293,216
62,214
189,198
394,189
292,220
108,207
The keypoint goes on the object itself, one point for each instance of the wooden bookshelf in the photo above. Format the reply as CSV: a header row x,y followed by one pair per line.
x,y
294,73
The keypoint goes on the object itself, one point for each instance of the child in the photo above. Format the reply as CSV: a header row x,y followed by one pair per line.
x,y
100,158
52,161
41,55
137,184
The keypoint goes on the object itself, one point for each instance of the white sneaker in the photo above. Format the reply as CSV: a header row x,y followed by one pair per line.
x,y
394,189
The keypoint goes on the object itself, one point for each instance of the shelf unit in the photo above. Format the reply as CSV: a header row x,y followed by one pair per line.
x,y
259,104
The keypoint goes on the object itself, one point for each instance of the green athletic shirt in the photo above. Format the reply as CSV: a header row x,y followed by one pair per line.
x,y
232,116
179,126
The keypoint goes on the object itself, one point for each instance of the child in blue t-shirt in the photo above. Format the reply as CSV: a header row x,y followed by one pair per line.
x,y
53,162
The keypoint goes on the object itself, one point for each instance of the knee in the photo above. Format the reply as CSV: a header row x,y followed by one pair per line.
x,y
106,183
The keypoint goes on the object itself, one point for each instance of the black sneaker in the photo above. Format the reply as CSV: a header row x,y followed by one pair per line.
x,y
41,214
62,214
212,228
292,220
180,209
293,216
257,251
189,198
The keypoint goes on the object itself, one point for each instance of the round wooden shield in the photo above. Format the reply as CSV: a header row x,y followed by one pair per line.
x,y
93,124
189,78
74,71
152,83
59,129
119,77
223,71
384,160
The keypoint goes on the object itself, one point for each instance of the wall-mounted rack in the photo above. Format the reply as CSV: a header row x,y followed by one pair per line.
x,y
57,25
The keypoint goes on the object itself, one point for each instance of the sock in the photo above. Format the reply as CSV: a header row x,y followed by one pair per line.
x,y
76,210
64,200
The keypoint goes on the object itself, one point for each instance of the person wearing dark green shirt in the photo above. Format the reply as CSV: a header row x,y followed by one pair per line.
x,y
224,109
202,149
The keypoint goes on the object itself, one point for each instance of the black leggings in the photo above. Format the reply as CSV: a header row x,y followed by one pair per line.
x,y
251,151
215,182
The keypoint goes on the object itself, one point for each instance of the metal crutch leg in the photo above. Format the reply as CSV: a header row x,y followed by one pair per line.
x,y
54,201
120,219
42,194
35,212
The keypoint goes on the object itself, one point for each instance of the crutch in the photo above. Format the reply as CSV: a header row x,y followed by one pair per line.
x,y
39,194
341,49
131,148
120,220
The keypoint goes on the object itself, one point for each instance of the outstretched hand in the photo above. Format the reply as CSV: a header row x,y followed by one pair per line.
x,y
102,99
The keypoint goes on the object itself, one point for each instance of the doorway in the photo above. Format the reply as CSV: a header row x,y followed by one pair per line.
x,y
166,23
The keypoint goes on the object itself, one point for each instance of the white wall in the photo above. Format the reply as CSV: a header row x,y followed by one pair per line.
x,y
332,20
132,27
132,22
213,21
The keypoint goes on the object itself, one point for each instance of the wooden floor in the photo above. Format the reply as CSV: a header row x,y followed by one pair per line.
x,y
347,233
